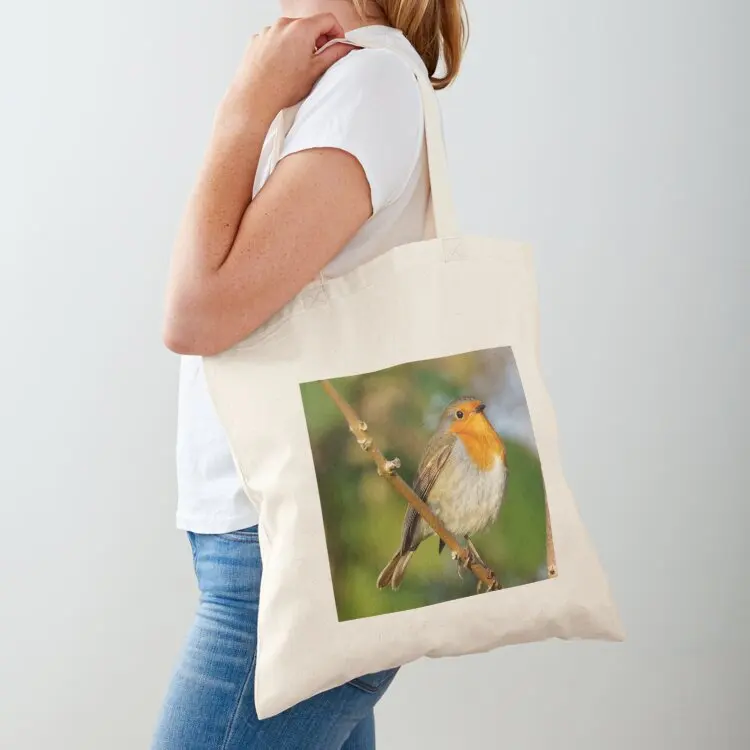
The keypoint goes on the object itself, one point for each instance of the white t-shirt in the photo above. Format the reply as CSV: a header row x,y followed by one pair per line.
x,y
369,105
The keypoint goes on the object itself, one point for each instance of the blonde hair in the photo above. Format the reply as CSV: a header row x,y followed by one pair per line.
x,y
436,28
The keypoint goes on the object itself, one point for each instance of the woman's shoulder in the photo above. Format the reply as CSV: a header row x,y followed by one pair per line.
x,y
379,78
373,62
368,104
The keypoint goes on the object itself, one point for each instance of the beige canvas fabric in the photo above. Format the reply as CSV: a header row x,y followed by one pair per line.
x,y
401,307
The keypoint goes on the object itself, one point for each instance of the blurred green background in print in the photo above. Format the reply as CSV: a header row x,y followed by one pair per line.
x,y
363,514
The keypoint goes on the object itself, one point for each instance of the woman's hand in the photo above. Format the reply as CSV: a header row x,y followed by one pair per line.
x,y
280,66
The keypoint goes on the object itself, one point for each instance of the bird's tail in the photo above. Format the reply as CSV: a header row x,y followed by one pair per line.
x,y
393,573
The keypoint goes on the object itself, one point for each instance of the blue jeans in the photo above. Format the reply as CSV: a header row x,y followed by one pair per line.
x,y
210,702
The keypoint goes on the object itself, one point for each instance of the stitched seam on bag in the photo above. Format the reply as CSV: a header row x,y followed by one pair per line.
x,y
313,297
236,710
454,252
250,342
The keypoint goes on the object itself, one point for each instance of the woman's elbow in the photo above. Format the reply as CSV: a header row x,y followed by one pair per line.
x,y
176,340
187,329
190,341
178,337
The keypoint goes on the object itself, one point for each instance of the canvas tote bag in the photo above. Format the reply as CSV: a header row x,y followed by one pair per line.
x,y
411,382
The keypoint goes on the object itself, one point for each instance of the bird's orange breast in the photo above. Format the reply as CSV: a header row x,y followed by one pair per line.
x,y
482,444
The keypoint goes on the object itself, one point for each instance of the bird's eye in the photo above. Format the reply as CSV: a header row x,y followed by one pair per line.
x,y
459,414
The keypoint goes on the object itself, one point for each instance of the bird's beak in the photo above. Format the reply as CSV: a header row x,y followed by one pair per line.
x,y
479,409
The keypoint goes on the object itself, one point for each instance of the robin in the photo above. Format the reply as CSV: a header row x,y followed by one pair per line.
x,y
462,477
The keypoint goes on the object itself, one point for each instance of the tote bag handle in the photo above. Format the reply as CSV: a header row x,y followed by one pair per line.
x,y
443,208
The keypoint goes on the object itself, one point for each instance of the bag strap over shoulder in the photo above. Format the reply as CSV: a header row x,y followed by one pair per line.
x,y
443,209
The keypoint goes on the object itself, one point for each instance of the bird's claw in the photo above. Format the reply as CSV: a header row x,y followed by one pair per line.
x,y
459,563
473,558
463,562
473,552
494,586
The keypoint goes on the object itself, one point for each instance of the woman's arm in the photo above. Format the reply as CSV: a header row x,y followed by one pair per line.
x,y
236,262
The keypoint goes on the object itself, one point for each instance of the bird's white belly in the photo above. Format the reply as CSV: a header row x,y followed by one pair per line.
x,y
466,499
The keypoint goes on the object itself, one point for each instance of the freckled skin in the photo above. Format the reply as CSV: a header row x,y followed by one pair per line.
x,y
462,477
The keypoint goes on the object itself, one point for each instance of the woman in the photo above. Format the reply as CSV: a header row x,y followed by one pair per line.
x,y
351,183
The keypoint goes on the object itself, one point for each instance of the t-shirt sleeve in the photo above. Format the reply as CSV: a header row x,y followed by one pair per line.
x,y
367,104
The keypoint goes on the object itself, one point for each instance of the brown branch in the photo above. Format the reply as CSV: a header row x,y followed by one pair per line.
x,y
387,470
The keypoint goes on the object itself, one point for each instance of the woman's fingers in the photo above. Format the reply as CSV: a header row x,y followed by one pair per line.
x,y
322,25
281,66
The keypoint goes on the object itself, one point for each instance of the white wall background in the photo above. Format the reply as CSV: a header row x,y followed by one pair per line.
x,y
612,135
